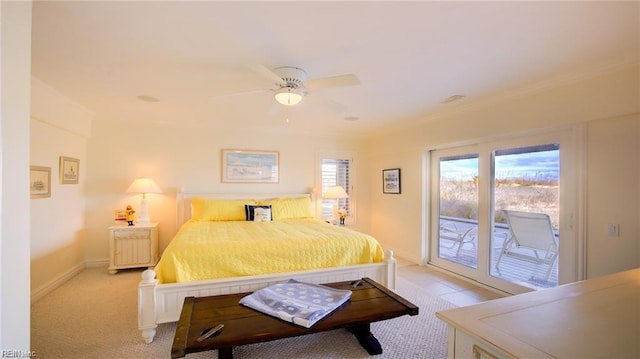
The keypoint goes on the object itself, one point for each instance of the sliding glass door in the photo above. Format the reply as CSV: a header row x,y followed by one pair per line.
x,y
497,208
458,208
526,181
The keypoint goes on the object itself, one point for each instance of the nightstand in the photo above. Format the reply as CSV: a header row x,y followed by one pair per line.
x,y
133,246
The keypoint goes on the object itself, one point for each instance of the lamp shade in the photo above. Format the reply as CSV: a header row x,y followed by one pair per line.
x,y
288,96
336,192
143,185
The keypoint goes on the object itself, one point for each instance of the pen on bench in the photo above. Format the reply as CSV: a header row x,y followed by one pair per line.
x,y
210,332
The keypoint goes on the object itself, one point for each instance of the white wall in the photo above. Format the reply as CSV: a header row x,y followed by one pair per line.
x,y
613,185
397,219
187,158
59,127
15,69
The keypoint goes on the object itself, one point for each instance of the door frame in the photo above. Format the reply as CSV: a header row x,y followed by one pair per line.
x,y
572,203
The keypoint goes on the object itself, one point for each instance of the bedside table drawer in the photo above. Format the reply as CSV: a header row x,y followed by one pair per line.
x,y
132,234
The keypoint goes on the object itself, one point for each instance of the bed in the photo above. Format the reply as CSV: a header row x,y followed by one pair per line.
x,y
186,269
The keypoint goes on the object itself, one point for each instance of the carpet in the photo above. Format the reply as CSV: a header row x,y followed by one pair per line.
x,y
94,315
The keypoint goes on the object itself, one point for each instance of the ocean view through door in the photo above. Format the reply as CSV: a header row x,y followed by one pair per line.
x,y
495,213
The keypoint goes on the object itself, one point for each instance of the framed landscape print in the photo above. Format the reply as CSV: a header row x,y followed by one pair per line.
x,y
391,181
69,170
40,182
248,166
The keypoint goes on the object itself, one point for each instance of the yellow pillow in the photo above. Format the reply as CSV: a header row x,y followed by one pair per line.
x,y
283,208
204,209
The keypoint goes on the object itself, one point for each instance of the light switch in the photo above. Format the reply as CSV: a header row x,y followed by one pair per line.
x,y
613,230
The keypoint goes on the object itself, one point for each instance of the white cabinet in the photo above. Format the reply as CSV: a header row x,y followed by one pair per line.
x,y
595,318
133,246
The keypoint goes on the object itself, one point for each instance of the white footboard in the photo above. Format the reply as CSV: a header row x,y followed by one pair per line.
x,y
162,303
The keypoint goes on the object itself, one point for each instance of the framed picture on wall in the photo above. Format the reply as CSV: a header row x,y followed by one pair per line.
x,y
391,181
40,182
248,166
69,170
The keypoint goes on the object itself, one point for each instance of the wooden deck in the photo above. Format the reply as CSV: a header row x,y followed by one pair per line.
x,y
514,270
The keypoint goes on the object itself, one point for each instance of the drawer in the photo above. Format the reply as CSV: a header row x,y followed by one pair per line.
x,y
132,234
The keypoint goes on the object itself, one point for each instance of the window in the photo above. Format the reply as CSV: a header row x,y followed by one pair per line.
x,y
335,172
471,189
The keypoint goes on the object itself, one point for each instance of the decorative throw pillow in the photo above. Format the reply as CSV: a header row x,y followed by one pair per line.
x,y
250,211
262,214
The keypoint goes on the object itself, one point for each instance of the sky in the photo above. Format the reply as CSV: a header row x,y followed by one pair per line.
x,y
530,165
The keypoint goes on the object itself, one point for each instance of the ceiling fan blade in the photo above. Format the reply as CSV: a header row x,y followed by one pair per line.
x,y
334,106
266,73
334,81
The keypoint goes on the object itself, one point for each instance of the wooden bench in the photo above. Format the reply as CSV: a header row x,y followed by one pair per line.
x,y
369,302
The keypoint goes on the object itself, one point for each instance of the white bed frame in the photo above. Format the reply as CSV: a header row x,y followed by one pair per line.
x,y
162,303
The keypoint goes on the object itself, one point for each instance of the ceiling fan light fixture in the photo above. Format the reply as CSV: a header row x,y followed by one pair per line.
x,y
289,96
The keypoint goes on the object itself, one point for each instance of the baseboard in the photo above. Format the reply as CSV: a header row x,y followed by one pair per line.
x,y
64,277
94,263
56,282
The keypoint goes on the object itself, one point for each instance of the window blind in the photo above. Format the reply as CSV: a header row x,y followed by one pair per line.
x,y
335,172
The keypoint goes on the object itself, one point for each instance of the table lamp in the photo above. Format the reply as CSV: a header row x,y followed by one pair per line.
x,y
336,193
143,185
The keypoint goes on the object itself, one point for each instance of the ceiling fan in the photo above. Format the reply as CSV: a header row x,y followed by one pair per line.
x,y
292,84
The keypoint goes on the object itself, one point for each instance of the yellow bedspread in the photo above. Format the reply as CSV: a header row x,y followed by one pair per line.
x,y
219,249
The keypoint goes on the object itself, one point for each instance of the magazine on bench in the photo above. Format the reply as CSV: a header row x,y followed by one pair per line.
x,y
297,302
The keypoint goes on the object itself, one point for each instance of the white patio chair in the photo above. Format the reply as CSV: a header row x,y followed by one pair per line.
x,y
533,233
459,236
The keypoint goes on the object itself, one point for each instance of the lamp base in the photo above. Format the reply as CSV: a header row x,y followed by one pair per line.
x,y
143,216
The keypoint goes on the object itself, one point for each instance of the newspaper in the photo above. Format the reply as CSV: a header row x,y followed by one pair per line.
x,y
297,302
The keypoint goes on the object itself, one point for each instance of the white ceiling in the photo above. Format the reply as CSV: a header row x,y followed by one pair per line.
x,y
409,56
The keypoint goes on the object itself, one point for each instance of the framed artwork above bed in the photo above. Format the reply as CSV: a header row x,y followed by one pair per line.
x,y
249,166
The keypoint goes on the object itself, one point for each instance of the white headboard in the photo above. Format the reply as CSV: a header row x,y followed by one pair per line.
x,y
183,201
